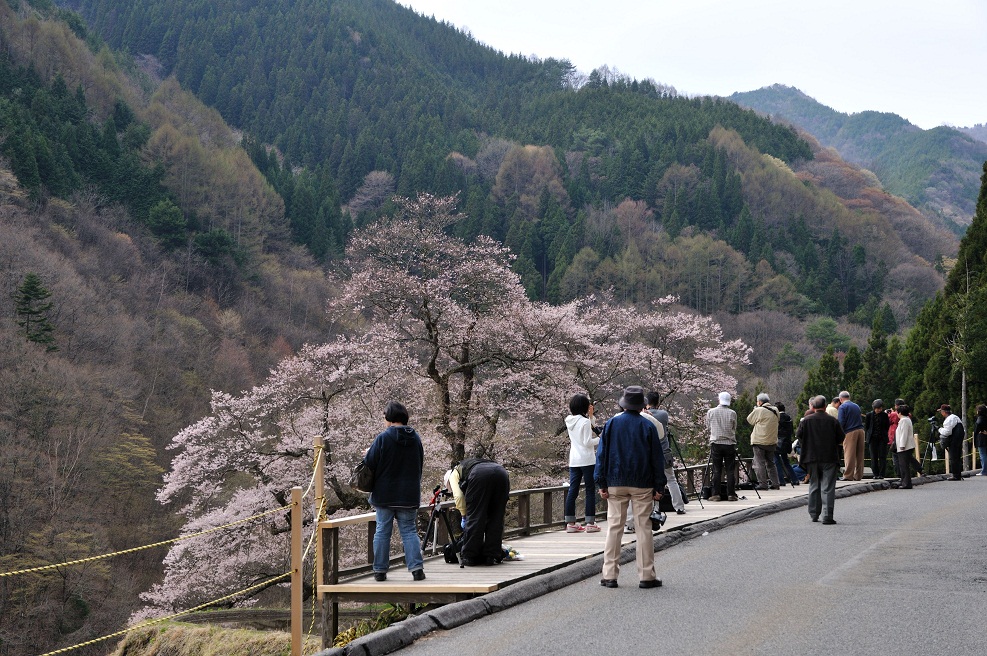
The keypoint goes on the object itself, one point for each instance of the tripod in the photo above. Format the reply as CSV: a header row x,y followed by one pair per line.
x,y
716,484
439,511
674,442
933,438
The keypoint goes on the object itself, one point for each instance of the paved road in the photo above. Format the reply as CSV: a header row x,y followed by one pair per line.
x,y
903,572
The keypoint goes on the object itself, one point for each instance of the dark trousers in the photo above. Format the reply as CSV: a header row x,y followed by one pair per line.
x,y
487,489
955,452
904,461
822,488
784,467
878,456
723,456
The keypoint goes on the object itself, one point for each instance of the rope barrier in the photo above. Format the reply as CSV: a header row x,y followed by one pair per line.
x,y
158,620
315,571
90,559
322,502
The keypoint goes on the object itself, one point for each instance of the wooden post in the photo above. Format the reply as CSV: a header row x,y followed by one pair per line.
x,y
296,572
320,495
546,513
330,610
524,514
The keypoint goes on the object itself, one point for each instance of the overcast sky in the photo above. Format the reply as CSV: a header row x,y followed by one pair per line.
x,y
925,60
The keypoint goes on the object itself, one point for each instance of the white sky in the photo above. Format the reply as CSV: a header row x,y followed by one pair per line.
x,y
925,60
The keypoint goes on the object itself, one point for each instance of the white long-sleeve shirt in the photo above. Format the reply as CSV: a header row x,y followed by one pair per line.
x,y
949,425
583,441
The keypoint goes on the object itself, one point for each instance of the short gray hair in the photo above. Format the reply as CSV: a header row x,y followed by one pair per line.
x,y
844,395
818,402
763,398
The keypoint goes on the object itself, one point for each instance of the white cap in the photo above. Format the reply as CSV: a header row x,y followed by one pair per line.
x,y
724,398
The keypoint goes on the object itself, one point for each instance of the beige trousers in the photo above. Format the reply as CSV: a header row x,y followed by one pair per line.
x,y
853,455
616,516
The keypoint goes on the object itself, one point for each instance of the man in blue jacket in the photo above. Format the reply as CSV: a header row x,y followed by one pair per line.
x,y
630,467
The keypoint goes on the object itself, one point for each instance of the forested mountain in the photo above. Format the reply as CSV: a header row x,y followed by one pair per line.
x,y
978,132
145,262
935,170
152,253
371,99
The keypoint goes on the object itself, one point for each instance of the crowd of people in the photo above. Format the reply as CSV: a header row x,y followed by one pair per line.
x,y
628,462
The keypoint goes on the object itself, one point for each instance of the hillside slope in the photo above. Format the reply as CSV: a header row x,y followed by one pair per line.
x,y
149,309
935,170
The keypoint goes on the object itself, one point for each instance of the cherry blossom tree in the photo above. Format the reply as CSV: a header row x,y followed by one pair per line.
x,y
444,326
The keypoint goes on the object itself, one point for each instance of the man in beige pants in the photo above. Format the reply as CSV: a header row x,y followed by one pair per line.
x,y
630,467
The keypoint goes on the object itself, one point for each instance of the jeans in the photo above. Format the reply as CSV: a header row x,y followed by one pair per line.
x,y
586,474
983,459
408,528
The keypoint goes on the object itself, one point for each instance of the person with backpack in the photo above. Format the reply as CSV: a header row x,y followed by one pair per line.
x,y
481,488
764,440
786,430
951,435
674,491
396,458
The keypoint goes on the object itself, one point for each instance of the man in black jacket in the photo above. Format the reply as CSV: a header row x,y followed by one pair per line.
x,y
820,436
876,426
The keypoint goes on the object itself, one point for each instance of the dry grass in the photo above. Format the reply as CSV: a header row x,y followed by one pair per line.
x,y
177,639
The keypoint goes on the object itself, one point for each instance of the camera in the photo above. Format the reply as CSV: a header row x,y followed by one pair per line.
x,y
932,420
438,491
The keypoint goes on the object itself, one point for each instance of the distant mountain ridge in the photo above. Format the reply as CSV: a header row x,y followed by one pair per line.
x,y
937,170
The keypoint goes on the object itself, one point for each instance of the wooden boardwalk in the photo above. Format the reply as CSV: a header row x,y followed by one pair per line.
x,y
543,552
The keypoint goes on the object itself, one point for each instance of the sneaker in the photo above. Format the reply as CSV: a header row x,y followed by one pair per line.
x,y
732,497
418,575
574,528
592,528
680,511
628,529
380,576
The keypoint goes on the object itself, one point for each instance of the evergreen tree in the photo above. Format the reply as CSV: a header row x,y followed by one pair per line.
x,y
823,379
874,374
32,308
852,366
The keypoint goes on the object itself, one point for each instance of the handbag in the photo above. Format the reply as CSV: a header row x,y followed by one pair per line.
x,y
363,477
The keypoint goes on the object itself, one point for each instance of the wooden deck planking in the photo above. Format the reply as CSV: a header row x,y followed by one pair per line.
x,y
542,552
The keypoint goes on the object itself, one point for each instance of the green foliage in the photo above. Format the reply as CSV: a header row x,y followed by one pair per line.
x,y
949,335
823,334
168,224
824,379
938,168
852,366
33,308
53,147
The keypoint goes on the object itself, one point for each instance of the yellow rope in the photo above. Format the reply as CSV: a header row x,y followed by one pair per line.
x,y
146,546
315,570
158,620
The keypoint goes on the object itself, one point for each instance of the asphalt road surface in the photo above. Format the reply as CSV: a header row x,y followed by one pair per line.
x,y
902,572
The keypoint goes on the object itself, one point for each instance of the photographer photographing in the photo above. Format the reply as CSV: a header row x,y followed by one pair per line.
x,y
951,437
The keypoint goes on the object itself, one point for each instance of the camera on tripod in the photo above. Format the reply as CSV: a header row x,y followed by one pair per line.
x,y
932,420
439,491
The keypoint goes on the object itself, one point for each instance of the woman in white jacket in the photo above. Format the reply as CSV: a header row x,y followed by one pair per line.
x,y
904,440
582,462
